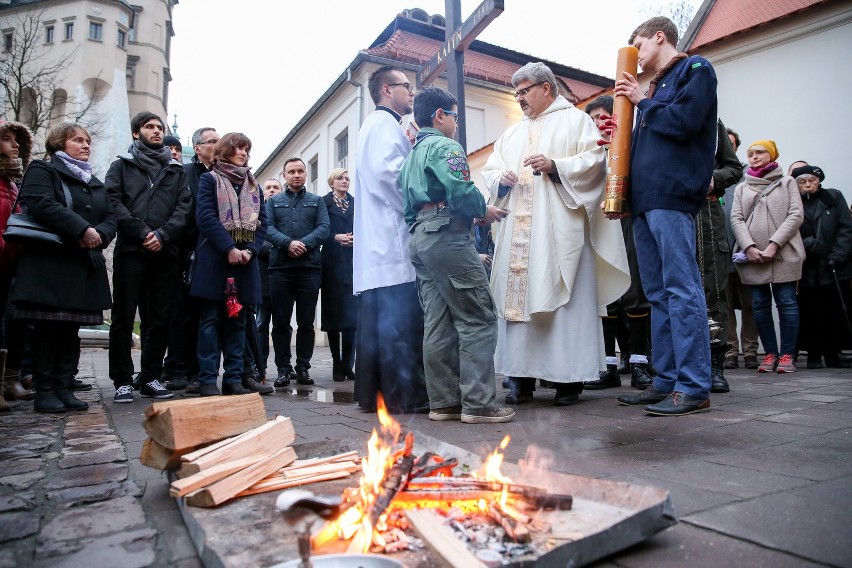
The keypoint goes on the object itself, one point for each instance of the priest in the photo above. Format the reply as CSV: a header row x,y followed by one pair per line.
x,y
558,261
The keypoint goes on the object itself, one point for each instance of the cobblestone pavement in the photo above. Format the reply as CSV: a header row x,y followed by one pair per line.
x,y
764,479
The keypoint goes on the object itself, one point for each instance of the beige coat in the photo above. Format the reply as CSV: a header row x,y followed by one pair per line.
x,y
776,217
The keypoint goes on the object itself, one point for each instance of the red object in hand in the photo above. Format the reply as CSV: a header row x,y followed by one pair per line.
x,y
232,304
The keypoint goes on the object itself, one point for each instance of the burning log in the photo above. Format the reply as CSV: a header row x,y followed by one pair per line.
x,y
441,540
534,495
394,481
515,529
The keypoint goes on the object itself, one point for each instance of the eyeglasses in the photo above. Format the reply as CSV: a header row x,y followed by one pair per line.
x,y
407,86
452,113
523,92
207,142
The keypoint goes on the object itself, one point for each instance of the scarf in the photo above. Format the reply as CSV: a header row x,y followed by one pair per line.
x,y
239,214
152,160
658,76
81,170
341,202
12,168
762,171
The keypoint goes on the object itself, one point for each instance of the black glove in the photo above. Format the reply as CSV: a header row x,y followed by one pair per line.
x,y
96,259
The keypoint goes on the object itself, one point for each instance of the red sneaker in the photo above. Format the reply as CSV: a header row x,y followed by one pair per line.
x,y
786,364
768,364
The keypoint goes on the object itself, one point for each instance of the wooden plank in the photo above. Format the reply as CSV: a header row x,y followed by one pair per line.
x,y
441,541
264,486
262,441
229,487
190,423
207,449
181,487
346,456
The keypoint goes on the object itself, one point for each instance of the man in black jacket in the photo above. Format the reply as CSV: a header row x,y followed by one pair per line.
x,y
152,203
298,224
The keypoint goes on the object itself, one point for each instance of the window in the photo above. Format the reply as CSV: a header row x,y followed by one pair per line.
x,y
69,30
96,31
313,174
7,41
342,151
130,75
48,34
121,39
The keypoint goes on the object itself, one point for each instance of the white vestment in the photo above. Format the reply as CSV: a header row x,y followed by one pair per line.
x,y
380,251
558,260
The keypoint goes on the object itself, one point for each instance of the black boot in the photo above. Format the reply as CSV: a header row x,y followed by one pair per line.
x,y
47,401
250,383
521,390
608,379
338,374
567,393
624,364
640,376
71,402
718,384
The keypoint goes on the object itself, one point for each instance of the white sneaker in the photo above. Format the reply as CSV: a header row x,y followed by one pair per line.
x,y
123,394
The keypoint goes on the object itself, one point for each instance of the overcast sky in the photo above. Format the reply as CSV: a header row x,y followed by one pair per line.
x,y
257,66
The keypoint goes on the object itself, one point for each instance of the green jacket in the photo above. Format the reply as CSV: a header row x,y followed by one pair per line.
x,y
437,170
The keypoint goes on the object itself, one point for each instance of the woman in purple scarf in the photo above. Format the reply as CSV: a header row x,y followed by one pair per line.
x,y
231,221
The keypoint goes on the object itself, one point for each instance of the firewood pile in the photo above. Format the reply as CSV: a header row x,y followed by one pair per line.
x,y
223,448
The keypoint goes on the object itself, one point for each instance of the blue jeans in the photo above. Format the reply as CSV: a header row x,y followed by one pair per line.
x,y
680,336
217,333
788,316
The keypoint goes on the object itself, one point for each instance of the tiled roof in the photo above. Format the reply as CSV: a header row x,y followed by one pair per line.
x,y
410,47
728,17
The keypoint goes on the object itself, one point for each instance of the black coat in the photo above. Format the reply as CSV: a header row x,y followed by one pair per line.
x,y
211,261
339,308
64,278
143,205
827,235
296,216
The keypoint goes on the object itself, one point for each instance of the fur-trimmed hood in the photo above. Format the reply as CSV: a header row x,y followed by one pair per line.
x,y
24,138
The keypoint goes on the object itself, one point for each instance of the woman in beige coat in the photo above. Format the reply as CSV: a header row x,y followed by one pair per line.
x,y
765,219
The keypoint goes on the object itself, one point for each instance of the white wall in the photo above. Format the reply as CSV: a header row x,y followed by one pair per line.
x,y
795,92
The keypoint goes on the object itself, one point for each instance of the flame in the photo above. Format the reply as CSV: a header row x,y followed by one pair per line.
x,y
354,524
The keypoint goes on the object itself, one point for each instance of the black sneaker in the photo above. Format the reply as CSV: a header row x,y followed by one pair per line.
x,y
284,379
194,387
123,394
234,388
303,377
608,379
177,383
155,389
251,385
209,390
77,385
647,396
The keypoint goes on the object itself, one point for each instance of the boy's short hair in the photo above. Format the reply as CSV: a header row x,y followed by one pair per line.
x,y
428,100
654,25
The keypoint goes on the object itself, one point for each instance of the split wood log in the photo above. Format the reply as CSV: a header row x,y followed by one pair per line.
x,y
275,485
194,455
189,423
349,467
516,530
441,541
345,456
534,495
181,487
229,487
159,457
262,441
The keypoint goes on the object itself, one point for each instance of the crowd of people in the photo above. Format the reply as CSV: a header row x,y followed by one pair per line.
x,y
431,286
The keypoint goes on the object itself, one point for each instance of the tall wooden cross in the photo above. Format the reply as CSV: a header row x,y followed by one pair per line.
x,y
450,56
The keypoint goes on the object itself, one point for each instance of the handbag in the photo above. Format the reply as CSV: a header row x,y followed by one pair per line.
x,y
23,229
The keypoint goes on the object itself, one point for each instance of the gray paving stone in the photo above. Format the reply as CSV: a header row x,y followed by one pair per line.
x,y
14,467
14,526
7,559
87,475
687,546
17,502
105,454
128,549
93,440
799,521
802,418
80,523
686,499
23,480
94,493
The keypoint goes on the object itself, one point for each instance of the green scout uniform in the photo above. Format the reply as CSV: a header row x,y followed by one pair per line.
x,y
460,328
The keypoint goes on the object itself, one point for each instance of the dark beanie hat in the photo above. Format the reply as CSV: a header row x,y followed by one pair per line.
x,y
813,170
172,141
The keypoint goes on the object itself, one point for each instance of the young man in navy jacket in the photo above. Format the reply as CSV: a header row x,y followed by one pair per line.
x,y
672,155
